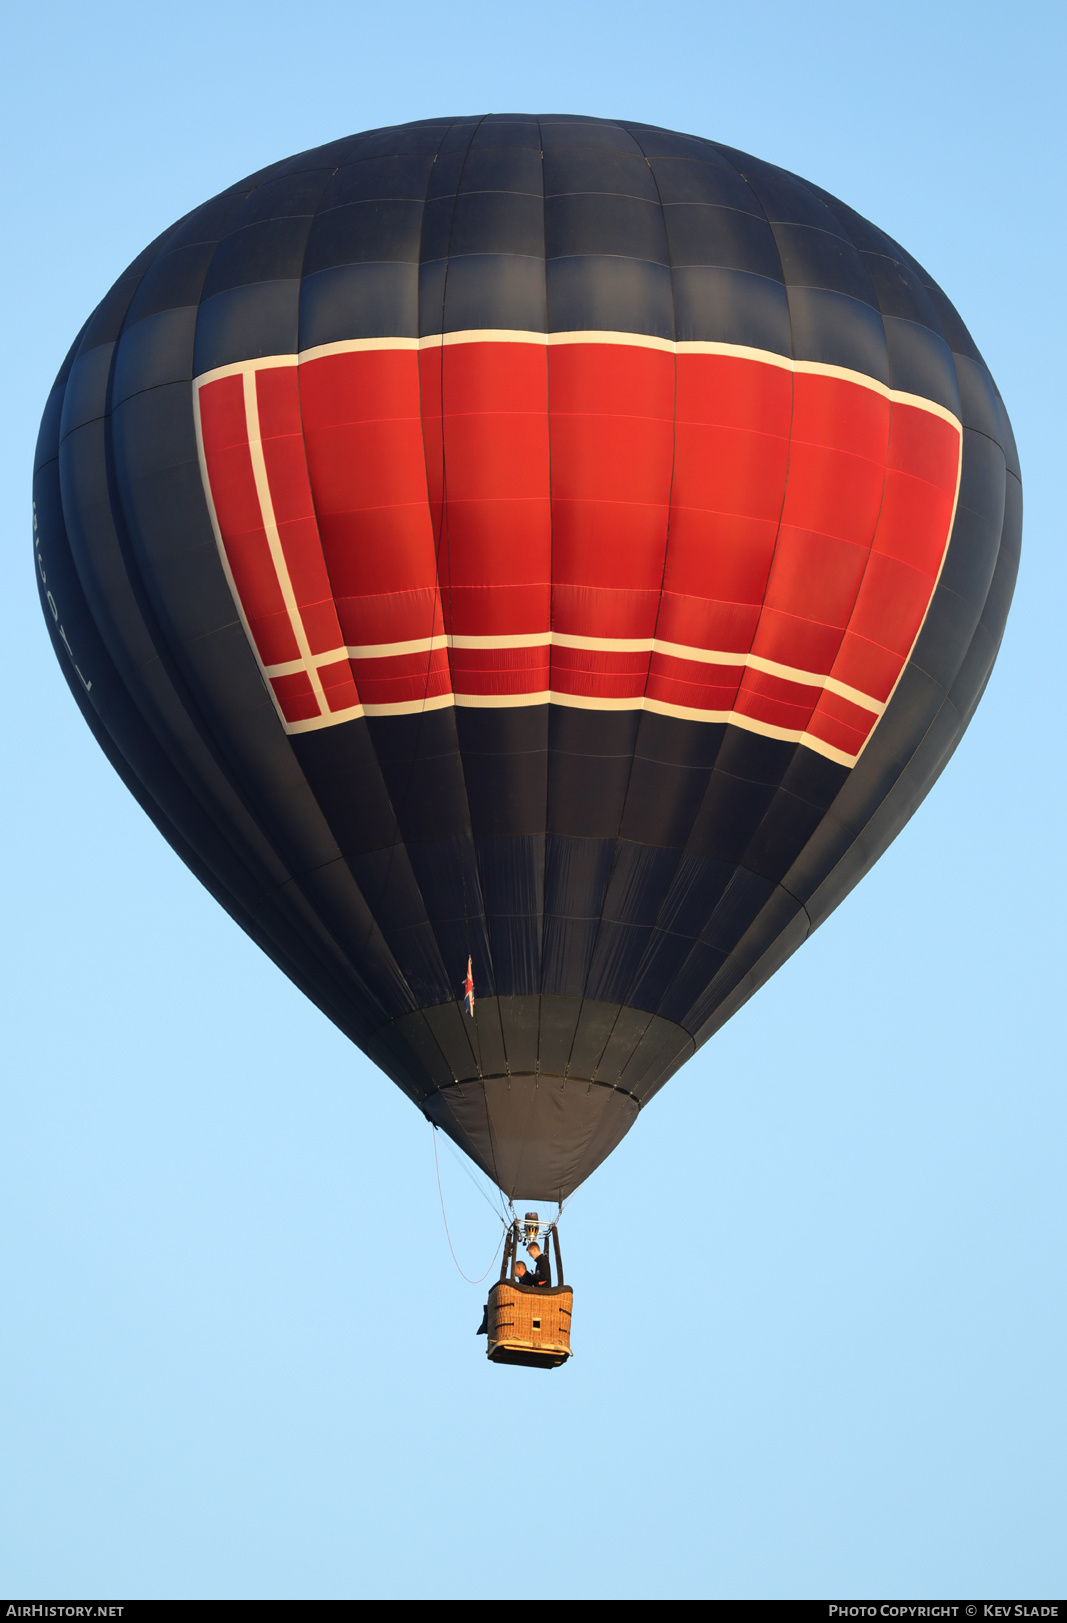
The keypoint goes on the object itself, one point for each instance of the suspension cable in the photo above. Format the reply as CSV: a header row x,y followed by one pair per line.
x,y
497,1210
448,1237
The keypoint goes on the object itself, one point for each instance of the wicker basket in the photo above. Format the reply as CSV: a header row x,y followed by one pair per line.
x,y
529,1324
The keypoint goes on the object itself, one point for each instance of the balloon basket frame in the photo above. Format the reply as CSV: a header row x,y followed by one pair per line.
x,y
529,1324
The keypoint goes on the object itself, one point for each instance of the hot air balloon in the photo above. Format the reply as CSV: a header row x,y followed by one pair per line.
x,y
529,570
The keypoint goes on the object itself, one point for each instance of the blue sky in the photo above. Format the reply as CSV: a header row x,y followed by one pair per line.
x,y
819,1312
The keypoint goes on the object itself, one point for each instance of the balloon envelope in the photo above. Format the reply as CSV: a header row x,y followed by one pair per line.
x,y
558,544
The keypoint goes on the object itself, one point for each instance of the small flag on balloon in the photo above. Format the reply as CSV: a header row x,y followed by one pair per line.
x,y
468,990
